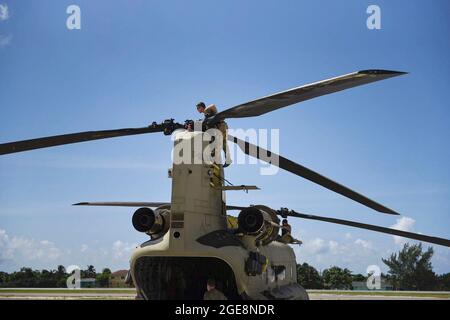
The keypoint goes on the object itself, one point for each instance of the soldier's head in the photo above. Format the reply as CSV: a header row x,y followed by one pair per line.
x,y
210,284
285,222
201,107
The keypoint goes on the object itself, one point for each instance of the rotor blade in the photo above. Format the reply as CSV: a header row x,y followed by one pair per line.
x,y
306,92
123,204
235,208
11,147
138,204
306,173
405,234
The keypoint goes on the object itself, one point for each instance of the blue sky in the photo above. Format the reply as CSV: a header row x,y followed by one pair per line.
x,y
137,62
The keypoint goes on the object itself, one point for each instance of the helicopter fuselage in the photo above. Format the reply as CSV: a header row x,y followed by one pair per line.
x,y
199,244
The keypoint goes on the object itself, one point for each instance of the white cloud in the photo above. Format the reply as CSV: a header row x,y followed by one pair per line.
x,y
316,246
23,251
319,246
404,224
333,246
355,254
4,12
5,40
363,243
122,250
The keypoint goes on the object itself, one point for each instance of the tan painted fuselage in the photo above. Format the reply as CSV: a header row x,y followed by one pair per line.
x,y
197,209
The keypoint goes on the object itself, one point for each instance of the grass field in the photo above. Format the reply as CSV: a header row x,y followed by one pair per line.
x,y
419,294
68,291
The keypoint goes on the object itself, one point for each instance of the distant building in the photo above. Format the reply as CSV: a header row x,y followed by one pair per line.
x,y
87,282
362,285
117,279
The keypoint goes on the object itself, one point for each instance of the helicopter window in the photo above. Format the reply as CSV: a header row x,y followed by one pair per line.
x,y
270,274
282,275
279,272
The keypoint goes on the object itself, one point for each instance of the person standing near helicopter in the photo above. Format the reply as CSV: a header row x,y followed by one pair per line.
x,y
222,126
211,292
209,111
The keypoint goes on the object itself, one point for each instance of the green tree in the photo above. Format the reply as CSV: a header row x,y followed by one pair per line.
x,y
4,279
359,277
89,272
61,270
411,269
107,271
46,279
337,278
308,277
61,277
25,278
102,279
444,282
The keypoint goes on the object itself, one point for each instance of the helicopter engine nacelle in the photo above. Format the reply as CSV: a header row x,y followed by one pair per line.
x,y
261,222
154,223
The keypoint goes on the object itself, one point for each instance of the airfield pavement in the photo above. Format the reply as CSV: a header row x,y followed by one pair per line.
x,y
129,294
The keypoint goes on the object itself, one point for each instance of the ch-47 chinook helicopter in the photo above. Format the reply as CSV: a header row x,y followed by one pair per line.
x,y
192,239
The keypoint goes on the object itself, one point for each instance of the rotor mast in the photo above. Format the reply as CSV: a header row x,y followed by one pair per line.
x,y
198,201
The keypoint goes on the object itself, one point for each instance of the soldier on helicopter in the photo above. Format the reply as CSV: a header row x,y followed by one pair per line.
x,y
212,293
222,126
286,236
285,227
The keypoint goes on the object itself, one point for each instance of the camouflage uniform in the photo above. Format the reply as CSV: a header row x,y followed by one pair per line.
x,y
214,294
210,111
222,126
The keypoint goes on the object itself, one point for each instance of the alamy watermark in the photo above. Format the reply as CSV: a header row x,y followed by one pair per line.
x,y
373,22
73,21
208,148
74,280
374,277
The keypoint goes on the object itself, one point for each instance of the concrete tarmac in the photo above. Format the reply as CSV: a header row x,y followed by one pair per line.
x,y
315,296
121,294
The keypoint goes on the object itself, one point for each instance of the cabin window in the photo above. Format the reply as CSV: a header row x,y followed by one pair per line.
x,y
270,274
279,272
